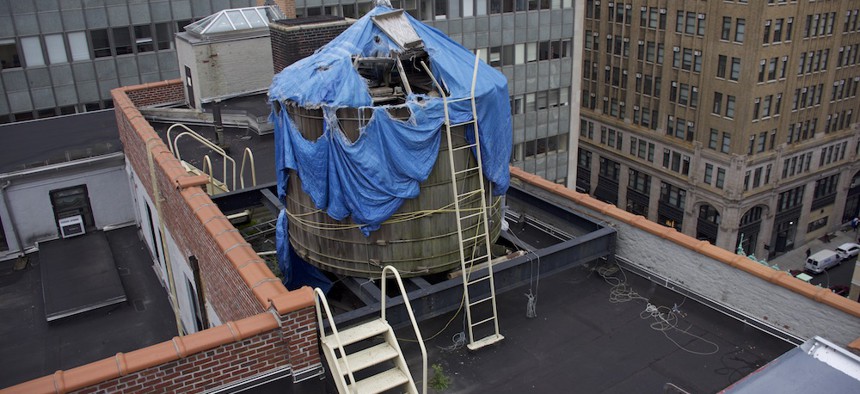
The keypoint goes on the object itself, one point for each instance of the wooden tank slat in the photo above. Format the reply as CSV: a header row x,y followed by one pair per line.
x,y
415,247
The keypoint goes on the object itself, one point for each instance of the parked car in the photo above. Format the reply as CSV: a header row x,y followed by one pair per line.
x,y
848,250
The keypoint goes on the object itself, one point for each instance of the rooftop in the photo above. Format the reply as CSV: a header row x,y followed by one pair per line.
x,y
30,347
61,139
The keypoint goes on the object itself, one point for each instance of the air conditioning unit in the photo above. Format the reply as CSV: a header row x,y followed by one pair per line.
x,y
72,226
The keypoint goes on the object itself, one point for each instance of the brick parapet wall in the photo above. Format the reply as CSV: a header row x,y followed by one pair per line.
x,y
197,226
293,43
164,92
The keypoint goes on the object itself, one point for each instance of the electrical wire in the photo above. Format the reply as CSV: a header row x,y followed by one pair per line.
x,y
665,319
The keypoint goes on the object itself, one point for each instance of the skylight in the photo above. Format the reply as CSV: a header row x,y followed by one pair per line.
x,y
237,19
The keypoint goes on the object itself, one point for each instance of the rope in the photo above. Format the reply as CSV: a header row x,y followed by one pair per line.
x,y
534,279
665,319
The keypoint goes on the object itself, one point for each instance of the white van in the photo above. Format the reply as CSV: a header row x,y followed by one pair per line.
x,y
821,261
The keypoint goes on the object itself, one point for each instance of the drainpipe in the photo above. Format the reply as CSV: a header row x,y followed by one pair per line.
x,y
5,197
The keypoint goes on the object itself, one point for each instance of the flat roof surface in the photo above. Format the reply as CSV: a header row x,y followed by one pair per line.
x,y
583,342
31,348
59,139
79,274
237,139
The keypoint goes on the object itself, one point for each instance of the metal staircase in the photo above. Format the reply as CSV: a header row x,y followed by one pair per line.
x,y
374,362
480,311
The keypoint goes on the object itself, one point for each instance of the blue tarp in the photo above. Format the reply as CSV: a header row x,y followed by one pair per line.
x,y
297,272
368,180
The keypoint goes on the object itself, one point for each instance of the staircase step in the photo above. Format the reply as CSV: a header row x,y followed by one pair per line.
x,y
368,357
486,341
357,333
380,382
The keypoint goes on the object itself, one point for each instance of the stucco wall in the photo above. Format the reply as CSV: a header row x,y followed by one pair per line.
x,y
29,199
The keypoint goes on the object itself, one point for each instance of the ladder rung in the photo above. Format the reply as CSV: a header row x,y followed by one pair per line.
x,y
467,146
470,194
474,238
471,304
491,318
461,123
459,99
476,260
470,169
479,280
471,215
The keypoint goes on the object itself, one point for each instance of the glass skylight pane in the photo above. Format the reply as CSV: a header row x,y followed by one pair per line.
x,y
239,22
254,18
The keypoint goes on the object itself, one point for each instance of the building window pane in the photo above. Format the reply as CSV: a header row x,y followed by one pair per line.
x,y
122,40
32,47
101,45
143,38
79,47
9,54
56,48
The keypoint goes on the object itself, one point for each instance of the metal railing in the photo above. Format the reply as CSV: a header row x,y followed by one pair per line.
x,y
418,337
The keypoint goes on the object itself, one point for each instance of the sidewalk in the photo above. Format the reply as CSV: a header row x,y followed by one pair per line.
x,y
795,258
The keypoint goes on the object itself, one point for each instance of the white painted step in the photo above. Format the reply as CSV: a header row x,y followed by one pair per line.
x,y
368,357
380,382
486,341
358,333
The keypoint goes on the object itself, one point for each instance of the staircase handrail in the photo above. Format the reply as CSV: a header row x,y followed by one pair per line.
x,y
247,154
320,296
174,148
418,337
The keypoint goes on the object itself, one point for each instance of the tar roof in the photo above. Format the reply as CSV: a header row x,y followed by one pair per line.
x,y
57,140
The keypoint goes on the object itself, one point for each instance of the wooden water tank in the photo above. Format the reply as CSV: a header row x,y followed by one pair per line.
x,y
419,239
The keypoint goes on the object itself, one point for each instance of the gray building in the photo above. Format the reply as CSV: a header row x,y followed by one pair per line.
x,y
60,57
533,43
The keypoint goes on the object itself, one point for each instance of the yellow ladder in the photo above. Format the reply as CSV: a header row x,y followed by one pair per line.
x,y
480,239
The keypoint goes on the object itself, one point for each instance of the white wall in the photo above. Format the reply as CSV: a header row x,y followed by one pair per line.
x,y
29,200
179,264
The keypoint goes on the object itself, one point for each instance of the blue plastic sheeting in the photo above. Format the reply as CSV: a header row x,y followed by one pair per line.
x,y
369,179
297,272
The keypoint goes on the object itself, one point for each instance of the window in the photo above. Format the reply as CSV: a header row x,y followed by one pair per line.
x,y
727,28
122,41
727,142
709,173
56,46
721,66
143,38
730,106
101,44
721,178
718,103
740,29
163,36
736,69
712,140
32,48
78,46
9,57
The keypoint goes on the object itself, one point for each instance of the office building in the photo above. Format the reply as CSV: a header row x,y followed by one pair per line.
x,y
61,57
731,121
532,42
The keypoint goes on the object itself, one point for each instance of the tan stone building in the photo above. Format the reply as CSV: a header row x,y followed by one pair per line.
x,y
732,121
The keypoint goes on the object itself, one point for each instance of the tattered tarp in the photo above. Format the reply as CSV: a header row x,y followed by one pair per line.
x,y
369,179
